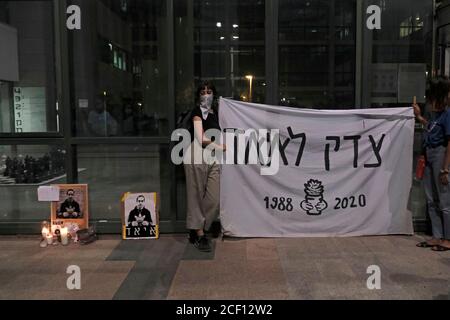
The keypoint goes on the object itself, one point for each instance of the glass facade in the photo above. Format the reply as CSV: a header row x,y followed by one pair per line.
x,y
119,69
111,169
317,53
400,58
23,169
220,41
97,105
27,74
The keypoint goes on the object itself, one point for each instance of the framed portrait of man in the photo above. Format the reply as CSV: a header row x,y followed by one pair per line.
x,y
72,207
140,216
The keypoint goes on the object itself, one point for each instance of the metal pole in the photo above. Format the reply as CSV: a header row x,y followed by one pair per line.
x,y
358,54
271,44
433,50
63,88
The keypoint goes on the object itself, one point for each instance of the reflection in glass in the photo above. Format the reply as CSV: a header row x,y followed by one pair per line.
x,y
112,170
399,61
317,53
22,169
119,68
223,42
27,67
31,164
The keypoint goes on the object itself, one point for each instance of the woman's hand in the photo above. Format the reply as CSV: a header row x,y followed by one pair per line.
x,y
418,114
417,111
443,177
221,147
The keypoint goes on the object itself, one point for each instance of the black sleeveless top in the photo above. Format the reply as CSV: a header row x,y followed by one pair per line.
x,y
211,122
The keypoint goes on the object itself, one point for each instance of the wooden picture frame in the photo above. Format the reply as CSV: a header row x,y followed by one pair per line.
x,y
140,215
65,213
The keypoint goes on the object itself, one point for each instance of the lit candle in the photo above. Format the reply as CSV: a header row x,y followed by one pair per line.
x,y
64,237
44,232
49,238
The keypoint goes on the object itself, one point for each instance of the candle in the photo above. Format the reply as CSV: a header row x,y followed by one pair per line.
x,y
49,238
64,236
44,232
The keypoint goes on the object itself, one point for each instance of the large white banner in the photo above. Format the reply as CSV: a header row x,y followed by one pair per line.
x,y
340,172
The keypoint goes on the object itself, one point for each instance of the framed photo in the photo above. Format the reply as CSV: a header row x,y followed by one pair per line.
x,y
72,208
140,218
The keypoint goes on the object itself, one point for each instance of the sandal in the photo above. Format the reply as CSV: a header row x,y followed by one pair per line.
x,y
440,248
424,244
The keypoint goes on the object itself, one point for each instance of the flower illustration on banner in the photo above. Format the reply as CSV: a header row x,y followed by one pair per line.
x,y
314,202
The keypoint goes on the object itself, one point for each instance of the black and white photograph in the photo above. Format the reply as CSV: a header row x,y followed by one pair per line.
x,y
140,216
69,208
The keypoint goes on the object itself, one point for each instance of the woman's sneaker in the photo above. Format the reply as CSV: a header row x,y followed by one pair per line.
x,y
216,229
203,244
193,237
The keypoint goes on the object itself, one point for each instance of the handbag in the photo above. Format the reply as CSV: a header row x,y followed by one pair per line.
x,y
420,168
86,236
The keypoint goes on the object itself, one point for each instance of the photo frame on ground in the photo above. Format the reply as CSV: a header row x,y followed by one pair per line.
x,y
72,209
140,215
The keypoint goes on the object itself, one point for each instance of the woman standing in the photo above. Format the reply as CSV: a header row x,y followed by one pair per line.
x,y
202,179
437,154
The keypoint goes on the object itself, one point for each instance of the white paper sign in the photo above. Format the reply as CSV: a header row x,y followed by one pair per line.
x,y
48,193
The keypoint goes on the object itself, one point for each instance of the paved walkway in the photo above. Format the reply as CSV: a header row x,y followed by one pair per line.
x,y
170,268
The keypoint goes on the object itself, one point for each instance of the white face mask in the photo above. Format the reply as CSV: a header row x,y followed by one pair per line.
x,y
206,101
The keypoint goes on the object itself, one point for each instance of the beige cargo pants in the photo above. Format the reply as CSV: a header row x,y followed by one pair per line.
x,y
202,190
